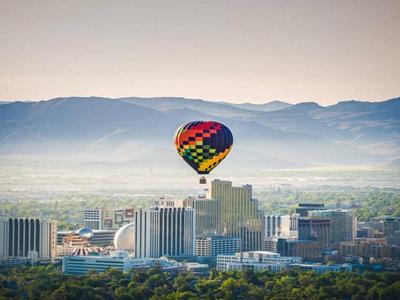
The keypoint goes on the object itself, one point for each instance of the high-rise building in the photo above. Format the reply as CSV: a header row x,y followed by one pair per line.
x,y
343,224
317,229
308,250
19,237
281,226
208,215
240,216
215,245
92,218
165,231
107,219
303,208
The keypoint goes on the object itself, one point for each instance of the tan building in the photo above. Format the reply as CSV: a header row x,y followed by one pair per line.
x,y
240,216
21,236
367,247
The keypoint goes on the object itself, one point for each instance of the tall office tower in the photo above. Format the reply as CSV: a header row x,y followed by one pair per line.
x,y
317,229
281,226
240,216
163,231
304,208
343,224
108,219
208,215
19,237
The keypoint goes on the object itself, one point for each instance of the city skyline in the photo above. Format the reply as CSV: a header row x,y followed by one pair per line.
x,y
225,51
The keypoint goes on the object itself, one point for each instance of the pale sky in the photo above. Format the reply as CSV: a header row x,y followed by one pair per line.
x,y
239,51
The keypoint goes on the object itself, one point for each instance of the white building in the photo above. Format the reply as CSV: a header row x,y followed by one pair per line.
x,y
124,238
256,261
213,246
165,231
120,260
107,219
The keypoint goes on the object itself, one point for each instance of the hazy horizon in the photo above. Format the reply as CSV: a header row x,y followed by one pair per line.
x,y
208,100
234,51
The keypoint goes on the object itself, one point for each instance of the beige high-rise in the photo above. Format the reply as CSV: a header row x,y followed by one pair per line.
x,y
240,216
19,236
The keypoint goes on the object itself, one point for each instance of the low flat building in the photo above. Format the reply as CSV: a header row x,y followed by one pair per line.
x,y
320,269
256,261
120,260
367,247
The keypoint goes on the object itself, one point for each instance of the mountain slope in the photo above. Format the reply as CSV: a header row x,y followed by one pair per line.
x,y
141,130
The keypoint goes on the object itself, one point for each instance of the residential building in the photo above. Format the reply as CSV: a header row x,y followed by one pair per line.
x,y
240,216
165,231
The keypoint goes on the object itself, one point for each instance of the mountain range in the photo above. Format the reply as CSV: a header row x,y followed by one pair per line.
x,y
140,131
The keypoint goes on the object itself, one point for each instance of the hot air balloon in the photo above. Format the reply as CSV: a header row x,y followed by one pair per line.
x,y
203,145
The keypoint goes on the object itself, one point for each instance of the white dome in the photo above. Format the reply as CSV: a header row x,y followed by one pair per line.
x,y
124,238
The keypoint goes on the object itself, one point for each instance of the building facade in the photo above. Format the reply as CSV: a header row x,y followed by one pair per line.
x,y
343,224
307,250
303,208
240,216
281,226
165,231
215,245
317,229
256,261
208,215
107,219
20,237
386,225
367,247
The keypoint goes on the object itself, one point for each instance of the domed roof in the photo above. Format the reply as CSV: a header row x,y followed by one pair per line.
x,y
85,232
124,238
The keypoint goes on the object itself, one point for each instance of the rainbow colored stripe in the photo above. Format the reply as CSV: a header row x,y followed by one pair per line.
x,y
203,144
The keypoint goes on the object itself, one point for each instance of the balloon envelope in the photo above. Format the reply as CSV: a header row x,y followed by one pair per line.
x,y
203,144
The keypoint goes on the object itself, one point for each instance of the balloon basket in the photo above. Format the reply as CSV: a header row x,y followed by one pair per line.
x,y
203,180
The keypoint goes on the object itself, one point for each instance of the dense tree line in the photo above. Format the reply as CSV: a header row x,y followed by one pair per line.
x,y
48,282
